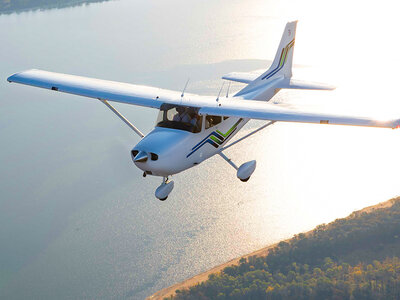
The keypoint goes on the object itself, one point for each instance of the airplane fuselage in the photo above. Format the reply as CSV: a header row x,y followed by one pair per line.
x,y
171,151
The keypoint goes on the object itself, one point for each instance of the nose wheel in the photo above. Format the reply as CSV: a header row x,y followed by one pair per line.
x,y
163,191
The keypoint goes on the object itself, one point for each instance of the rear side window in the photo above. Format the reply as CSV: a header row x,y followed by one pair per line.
x,y
212,121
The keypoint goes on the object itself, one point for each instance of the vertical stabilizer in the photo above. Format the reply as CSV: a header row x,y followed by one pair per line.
x,y
282,64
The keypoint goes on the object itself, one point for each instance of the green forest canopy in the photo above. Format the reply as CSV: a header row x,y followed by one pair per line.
x,y
352,258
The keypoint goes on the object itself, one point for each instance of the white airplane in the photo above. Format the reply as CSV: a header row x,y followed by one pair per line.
x,y
192,128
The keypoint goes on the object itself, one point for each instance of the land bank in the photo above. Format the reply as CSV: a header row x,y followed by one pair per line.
x,y
11,6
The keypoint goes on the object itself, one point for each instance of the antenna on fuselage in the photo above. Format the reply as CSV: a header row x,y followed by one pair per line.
x,y
219,94
184,89
227,91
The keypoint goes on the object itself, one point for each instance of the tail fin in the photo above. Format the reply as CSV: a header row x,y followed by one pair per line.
x,y
282,64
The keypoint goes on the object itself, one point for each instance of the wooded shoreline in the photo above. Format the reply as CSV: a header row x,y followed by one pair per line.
x,y
171,291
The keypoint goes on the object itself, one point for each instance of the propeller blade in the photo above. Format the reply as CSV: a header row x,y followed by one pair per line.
x,y
141,157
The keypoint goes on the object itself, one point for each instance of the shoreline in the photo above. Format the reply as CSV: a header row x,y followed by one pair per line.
x,y
49,6
170,291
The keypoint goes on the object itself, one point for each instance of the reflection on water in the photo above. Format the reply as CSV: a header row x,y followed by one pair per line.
x,y
77,220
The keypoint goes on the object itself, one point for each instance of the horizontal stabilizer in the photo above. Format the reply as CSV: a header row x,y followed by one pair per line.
x,y
304,85
289,83
242,77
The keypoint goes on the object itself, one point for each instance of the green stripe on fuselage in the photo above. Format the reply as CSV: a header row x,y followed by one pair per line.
x,y
216,140
230,130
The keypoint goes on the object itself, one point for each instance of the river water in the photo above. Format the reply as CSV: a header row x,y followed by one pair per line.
x,y
78,221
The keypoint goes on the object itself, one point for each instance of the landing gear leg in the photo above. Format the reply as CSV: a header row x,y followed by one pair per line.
x,y
244,171
164,189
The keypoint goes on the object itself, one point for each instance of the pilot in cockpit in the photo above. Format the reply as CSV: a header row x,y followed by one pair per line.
x,y
182,115
188,116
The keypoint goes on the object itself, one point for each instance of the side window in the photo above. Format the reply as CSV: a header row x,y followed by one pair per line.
x,y
212,121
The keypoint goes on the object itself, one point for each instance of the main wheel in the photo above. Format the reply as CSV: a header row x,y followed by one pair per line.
x,y
163,191
245,180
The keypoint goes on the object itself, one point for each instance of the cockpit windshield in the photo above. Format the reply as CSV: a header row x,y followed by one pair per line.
x,y
179,117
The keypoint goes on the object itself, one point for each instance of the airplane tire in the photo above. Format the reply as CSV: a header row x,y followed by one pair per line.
x,y
163,199
245,180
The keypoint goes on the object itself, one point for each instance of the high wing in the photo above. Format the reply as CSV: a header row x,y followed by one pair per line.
x,y
265,111
96,88
155,97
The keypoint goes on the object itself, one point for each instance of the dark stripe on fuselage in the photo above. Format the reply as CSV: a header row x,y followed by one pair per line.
x,y
279,66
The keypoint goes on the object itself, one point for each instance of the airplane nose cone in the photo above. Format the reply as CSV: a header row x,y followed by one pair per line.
x,y
162,152
141,157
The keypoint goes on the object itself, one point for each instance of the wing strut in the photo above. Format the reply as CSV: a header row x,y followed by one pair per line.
x,y
246,136
228,160
123,118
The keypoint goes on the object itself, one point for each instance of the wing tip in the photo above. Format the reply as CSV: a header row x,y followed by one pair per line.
x,y
10,78
14,76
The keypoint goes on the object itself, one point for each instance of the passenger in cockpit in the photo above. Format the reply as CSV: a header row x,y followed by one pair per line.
x,y
195,122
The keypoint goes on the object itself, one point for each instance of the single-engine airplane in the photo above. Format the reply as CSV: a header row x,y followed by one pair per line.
x,y
192,128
